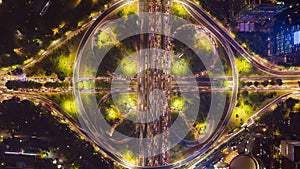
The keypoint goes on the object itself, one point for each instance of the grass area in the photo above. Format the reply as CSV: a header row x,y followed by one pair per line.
x,y
126,101
203,43
222,66
180,67
177,102
202,127
117,62
245,68
107,38
58,64
247,104
113,113
128,67
86,85
179,10
129,157
120,105
66,103
125,11
132,8
65,63
204,48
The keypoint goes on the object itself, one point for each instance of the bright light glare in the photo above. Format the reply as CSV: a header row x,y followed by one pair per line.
x,y
296,37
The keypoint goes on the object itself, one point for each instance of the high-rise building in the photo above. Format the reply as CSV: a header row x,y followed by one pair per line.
x,y
290,150
286,36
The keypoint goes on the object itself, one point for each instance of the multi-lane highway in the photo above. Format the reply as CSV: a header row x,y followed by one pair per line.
x,y
154,66
145,81
211,84
214,83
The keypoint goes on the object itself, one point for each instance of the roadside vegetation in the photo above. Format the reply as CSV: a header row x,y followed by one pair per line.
x,y
59,64
247,104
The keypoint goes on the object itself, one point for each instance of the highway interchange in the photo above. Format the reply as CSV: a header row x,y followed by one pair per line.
x,y
289,78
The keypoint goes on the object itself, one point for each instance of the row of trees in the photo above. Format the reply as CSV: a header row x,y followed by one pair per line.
x,y
17,84
57,84
264,83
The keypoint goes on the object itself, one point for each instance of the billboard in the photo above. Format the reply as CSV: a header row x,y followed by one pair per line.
x,y
296,37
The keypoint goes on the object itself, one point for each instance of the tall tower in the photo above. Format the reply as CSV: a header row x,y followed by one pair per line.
x,y
154,82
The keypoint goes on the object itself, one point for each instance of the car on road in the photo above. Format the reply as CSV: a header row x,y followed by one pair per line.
x,y
45,8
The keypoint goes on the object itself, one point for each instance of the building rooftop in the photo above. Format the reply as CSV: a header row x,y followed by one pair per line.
x,y
243,161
